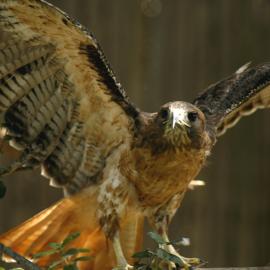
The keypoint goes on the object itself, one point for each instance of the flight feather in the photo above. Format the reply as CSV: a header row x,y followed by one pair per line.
x,y
59,100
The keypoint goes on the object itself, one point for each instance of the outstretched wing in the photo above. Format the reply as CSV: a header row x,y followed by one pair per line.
x,y
241,94
59,101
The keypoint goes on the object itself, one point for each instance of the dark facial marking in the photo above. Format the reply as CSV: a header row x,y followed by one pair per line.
x,y
192,116
164,113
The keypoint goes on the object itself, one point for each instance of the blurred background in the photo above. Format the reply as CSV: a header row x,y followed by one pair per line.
x,y
162,50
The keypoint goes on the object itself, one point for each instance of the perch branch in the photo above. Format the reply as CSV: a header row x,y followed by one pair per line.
x,y
18,258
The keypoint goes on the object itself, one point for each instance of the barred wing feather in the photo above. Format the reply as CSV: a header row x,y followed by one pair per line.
x,y
60,103
241,94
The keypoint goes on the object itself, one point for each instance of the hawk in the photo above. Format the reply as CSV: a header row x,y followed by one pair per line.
x,y
62,107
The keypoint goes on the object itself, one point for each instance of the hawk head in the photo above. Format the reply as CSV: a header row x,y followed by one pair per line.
x,y
182,124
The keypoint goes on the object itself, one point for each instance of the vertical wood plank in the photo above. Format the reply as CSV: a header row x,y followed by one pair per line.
x,y
174,55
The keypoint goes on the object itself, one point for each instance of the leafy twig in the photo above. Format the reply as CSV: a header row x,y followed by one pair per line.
x,y
68,257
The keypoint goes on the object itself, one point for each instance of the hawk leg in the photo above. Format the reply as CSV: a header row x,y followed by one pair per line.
x,y
111,230
160,219
122,263
112,200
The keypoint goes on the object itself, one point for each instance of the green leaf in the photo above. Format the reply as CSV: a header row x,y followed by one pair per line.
x,y
74,251
70,267
166,256
143,254
157,238
83,258
70,252
83,250
44,253
1,268
55,264
54,245
3,190
70,238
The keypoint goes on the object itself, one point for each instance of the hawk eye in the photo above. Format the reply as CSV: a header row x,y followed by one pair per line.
x,y
164,113
192,116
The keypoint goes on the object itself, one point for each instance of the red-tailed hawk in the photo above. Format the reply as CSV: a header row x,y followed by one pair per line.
x,y
61,106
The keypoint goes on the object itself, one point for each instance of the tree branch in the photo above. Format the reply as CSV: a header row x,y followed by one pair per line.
x,y
18,258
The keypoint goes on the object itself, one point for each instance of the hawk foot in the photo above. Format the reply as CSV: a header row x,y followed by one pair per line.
x,y
190,263
168,265
186,263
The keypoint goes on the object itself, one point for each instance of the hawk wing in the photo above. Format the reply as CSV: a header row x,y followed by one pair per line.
x,y
241,94
59,101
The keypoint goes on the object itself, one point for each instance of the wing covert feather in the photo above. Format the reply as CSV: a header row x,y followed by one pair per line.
x,y
59,101
241,94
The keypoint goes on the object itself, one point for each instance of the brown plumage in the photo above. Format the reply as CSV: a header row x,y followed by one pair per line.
x,y
61,106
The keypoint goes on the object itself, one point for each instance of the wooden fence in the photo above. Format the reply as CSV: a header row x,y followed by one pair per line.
x,y
166,50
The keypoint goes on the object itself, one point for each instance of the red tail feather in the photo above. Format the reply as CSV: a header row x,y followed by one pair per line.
x,y
70,215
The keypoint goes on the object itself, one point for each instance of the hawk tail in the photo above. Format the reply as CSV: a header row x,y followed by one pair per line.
x,y
34,234
75,214
54,224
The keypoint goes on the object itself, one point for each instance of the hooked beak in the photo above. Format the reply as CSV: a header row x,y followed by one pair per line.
x,y
179,117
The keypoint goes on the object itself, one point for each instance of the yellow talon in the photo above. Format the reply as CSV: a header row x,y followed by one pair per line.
x,y
192,262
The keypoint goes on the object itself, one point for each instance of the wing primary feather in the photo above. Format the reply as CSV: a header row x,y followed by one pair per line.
x,y
14,87
12,58
48,139
243,68
241,94
56,91
43,116
25,104
89,171
63,162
